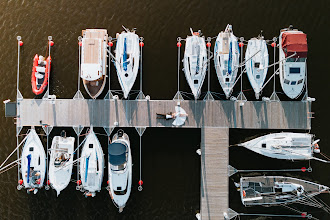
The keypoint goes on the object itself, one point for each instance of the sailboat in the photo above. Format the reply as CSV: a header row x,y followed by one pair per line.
x,y
285,145
276,190
61,162
33,163
293,65
91,165
94,60
226,59
195,62
256,57
127,59
120,169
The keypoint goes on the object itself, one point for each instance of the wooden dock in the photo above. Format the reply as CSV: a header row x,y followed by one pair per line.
x,y
214,176
142,113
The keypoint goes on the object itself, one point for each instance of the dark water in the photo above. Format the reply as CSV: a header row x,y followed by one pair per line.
x,y
170,166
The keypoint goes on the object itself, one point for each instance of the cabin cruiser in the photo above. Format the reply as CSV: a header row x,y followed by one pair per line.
x,y
195,61
127,59
275,190
91,165
226,59
94,60
61,162
256,63
285,145
293,55
33,163
120,169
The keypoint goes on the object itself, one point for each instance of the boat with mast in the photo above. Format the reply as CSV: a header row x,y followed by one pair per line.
x,y
33,163
127,59
195,61
226,59
94,60
293,65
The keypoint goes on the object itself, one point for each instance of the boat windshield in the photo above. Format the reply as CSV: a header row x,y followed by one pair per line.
x,y
118,167
296,60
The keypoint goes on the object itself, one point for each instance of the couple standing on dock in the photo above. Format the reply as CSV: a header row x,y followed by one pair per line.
x,y
179,115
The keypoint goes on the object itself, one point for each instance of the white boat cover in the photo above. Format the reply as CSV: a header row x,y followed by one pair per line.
x,y
127,60
61,162
195,63
256,57
33,162
91,164
226,59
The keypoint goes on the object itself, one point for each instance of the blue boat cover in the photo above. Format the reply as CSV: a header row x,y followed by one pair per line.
x,y
28,169
125,56
86,170
230,60
117,153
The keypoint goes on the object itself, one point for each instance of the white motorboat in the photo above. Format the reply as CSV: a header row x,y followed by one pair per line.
x,y
195,62
91,165
286,145
120,169
293,56
127,59
94,60
61,162
226,59
275,190
256,57
33,163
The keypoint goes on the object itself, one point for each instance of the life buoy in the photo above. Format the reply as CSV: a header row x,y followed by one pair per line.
x,y
35,90
244,193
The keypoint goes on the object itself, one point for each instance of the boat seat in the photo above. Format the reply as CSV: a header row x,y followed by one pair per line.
x,y
39,75
42,63
40,69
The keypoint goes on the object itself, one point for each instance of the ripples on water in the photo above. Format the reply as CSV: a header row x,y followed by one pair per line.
x,y
171,168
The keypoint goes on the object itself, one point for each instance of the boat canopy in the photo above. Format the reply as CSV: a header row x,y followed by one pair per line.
x,y
295,43
117,153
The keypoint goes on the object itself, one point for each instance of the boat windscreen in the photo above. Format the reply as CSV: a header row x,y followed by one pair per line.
x,y
28,169
117,153
295,43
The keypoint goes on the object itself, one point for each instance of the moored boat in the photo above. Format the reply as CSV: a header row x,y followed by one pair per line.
x,y
195,62
256,57
293,65
33,163
40,74
61,162
94,60
91,165
226,59
285,145
127,59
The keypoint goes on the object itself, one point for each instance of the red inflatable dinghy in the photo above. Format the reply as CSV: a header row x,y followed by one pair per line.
x,y
40,74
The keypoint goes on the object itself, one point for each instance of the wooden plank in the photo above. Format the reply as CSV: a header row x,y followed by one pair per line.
x,y
132,113
214,176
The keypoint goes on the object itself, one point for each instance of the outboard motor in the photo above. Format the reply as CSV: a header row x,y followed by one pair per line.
x,y
63,134
120,133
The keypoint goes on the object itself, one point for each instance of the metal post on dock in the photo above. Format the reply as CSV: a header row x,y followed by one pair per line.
x,y
78,94
78,131
140,131
50,44
47,129
110,44
241,97
208,96
141,95
274,97
178,95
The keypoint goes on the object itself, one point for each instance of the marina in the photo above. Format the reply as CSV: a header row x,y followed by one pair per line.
x,y
213,117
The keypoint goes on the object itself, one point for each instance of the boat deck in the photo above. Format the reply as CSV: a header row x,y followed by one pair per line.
x,y
92,47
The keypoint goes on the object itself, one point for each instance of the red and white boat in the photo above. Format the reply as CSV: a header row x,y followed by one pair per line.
x,y
40,74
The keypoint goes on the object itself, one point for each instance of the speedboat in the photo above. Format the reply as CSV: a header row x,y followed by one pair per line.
x,y
94,60
91,165
293,55
276,190
256,63
120,169
61,162
33,163
127,59
286,145
226,59
40,73
195,62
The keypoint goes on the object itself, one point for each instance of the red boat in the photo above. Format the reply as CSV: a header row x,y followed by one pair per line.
x,y
40,74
